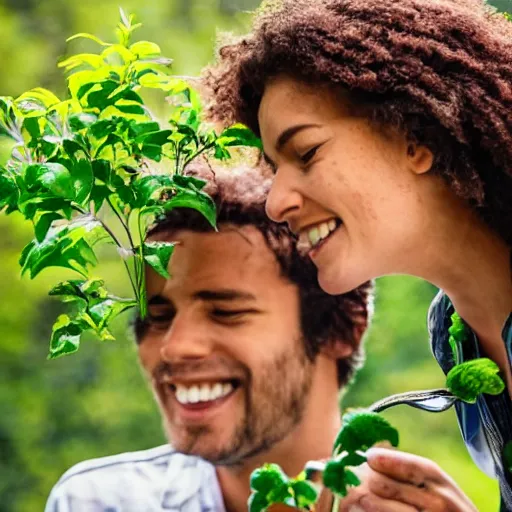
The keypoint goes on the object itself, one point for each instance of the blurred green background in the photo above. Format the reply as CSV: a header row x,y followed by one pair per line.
x,y
54,414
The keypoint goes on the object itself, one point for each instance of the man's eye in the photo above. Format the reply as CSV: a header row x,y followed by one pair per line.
x,y
160,319
306,157
228,313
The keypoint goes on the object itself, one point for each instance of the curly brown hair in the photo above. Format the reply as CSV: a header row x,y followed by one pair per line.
x,y
438,70
240,195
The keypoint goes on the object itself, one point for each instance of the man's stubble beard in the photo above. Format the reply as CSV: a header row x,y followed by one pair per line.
x,y
275,401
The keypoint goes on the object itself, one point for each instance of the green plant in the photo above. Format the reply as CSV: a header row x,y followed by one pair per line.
x,y
470,379
98,167
360,430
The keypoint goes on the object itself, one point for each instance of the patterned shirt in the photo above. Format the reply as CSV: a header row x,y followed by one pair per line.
x,y
486,426
155,480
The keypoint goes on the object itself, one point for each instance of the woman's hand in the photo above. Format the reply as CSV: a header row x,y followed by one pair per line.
x,y
394,481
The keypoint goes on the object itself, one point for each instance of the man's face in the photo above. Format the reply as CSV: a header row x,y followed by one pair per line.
x,y
224,347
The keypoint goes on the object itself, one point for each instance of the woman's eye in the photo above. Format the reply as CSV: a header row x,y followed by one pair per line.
x,y
306,157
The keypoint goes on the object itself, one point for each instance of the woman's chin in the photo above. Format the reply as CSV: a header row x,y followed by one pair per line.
x,y
336,283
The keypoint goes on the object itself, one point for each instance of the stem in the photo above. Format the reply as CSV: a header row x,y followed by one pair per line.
x,y
143,306
116,241
127,230
202,150
337,500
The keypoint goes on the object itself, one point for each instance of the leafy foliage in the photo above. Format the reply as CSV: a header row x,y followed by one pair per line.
x,y
338,478
361,430
270,486
101,153
472,378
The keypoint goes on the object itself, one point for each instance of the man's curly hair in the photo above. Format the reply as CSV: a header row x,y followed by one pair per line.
x,y
240,195
438,70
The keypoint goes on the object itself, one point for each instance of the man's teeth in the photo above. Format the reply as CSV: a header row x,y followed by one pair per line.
x,y
314,235
202,393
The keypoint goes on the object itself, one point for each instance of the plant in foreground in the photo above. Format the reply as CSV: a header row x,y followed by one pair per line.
x,y
361,430
98,167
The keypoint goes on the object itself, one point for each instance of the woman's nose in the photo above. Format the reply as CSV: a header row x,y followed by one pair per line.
x,y
283,201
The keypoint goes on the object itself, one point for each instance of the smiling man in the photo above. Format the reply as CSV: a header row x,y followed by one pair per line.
x,y
246,356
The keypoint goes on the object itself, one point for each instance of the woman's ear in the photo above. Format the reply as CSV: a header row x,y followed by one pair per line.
x,y
419,158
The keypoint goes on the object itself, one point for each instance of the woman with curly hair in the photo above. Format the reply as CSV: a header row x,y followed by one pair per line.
x,y
388,124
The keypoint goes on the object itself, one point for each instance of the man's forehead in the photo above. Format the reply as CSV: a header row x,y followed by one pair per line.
x,y
235,258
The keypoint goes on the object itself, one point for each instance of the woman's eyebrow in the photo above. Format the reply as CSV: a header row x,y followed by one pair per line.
x,y
290,132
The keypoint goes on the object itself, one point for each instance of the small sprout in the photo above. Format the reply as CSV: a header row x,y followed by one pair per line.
x,y
472,378
305,493
352,459
338,478
268,477
258,502
458,328
362,429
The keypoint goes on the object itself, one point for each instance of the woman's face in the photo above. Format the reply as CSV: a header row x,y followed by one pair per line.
x,y
356,195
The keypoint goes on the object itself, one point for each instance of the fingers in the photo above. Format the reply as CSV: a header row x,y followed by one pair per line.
x,y
405,467
423,498
361,500
414,480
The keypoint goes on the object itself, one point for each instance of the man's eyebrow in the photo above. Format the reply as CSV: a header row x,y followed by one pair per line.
x,y
157,300
225,294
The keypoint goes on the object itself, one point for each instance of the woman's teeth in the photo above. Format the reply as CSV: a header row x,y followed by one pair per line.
x,y
202,393
313,236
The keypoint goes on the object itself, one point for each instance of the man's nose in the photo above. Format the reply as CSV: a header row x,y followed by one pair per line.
x,y
283,201
185,339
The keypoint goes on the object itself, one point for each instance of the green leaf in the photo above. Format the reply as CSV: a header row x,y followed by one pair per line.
x,y
65,336
9,193
196,200
68,246
338,478
89,59
470,379
81,121
362,429
138,129
82,176
84,35
44,97
353,459
31,124
158,138
150,190
144,49
157,255
104,312
238,135
189,182
129,107
42,223
268,477
103,128
95,309
53,177
29,204
257,502
305,493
